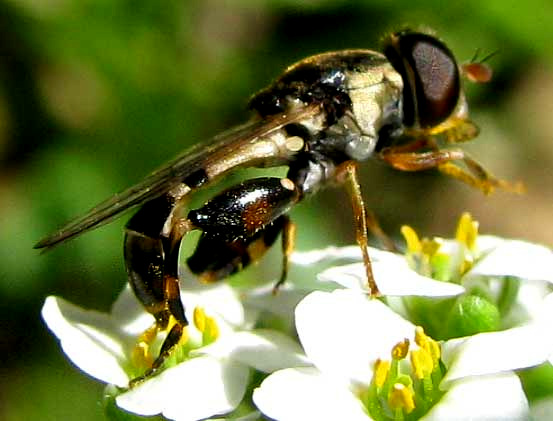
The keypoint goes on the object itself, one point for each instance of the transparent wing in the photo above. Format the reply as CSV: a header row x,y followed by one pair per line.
x,y
242,146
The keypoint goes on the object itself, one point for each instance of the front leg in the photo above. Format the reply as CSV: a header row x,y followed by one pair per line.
x,y
474,175
348,174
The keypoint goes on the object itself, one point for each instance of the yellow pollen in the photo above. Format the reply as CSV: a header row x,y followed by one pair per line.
x,y
381,370
467,231
400,350
421,362
420,337
185,336
412,239
401,397
211,329
430,247
199,318
435,351
141,356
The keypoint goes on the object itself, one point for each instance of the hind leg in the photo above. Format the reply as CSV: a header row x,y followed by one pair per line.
x,y
151,260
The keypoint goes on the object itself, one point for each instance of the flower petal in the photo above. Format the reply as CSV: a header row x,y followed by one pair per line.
x,y
265,350
307,258
88,338
219,298
281,304
305,394
393,277
518,259
130,317
494,352
344,332
496,397
193,390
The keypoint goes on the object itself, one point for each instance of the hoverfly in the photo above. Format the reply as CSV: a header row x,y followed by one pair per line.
x,y
321,118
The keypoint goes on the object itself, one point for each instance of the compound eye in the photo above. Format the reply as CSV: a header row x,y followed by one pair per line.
x,y
430,74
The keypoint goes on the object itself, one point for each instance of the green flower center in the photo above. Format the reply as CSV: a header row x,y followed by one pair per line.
x,y
406,387
149,344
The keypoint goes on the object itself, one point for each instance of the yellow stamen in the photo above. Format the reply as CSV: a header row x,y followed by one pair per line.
x,y
401,397
467,231
420,337
381,370
211,332
422,363
429,345
430,247
141,356
400,350
435,351
199,318
185,336
411,238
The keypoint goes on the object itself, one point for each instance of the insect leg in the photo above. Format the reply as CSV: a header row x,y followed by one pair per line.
x,y
475,175
151,259
288,245
348,173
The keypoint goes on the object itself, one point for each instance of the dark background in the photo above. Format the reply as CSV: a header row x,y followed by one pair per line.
x,y
94,94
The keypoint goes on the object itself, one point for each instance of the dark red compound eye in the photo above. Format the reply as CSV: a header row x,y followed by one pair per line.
x,y
430,75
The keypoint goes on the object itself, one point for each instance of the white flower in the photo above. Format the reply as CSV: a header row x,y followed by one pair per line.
x,y
211,379
348,336
392,273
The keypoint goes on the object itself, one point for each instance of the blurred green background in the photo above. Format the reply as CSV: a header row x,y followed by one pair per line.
x,y
94,94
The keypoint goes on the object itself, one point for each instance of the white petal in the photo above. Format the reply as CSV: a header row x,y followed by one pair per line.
x,y
494,352
130,316
529,299
393,277
88,338
497,397
344,332
304,394
220,299
282,304
193,390
307,258
265,350
517,259
486,243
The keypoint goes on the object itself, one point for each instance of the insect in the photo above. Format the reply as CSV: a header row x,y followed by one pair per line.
x,y
321,118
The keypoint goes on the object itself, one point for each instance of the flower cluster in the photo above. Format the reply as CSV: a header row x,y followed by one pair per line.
x,y
458,321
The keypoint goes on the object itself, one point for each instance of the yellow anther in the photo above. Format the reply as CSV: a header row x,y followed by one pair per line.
x,y
467,231
141,357
185,336
430,247
421,362
435,351
401,397
420,337
211,332
400,350
411,238
427,343
381,370
199,318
